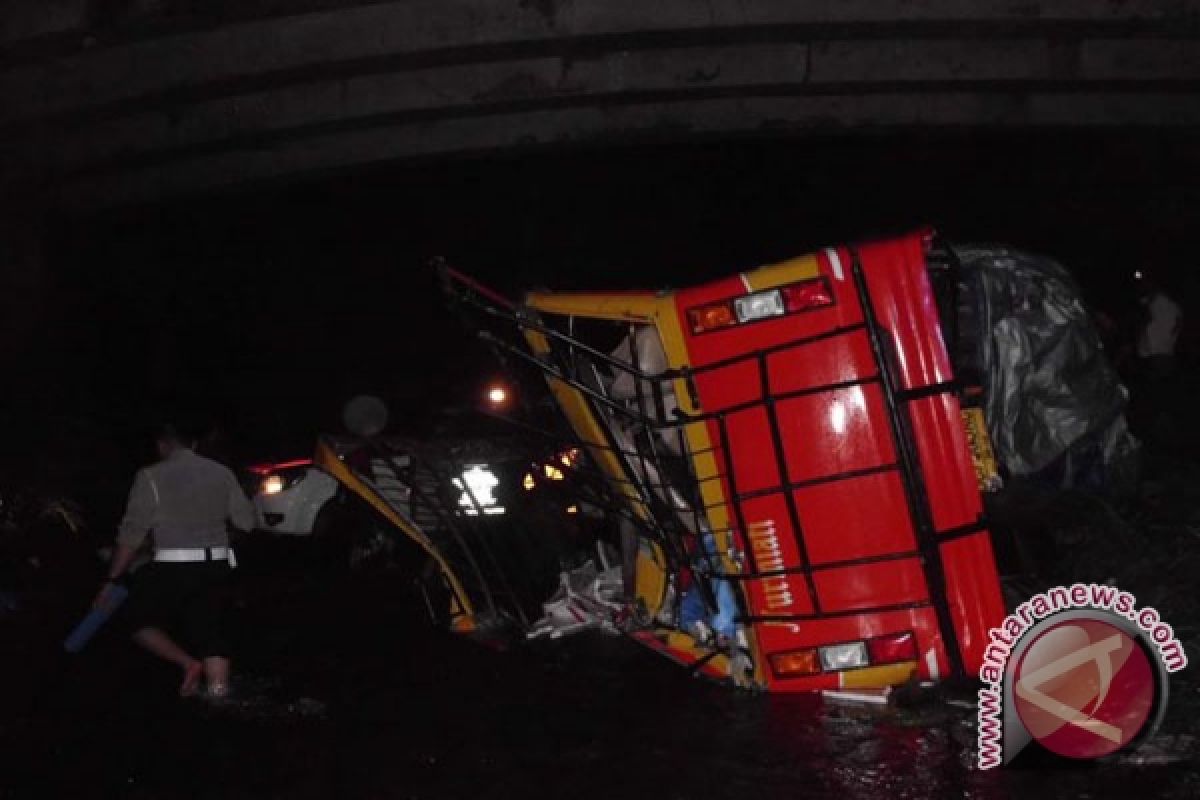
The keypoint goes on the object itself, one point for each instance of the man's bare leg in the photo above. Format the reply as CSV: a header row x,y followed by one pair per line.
x,y
216,673
164,647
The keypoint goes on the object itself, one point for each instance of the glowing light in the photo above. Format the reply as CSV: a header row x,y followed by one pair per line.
x,y
272,484
529,482
267,469
497,396
572,509
1137,275
481,483
553,473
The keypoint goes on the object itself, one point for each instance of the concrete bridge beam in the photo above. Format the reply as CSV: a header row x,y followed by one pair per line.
x,y
167,106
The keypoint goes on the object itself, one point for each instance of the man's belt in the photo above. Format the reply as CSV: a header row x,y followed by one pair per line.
x,y
182,554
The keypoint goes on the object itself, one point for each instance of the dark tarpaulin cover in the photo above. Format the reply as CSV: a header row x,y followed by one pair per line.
x,y
1054,403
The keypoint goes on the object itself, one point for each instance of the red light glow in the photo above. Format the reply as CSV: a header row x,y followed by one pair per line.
x,y
265,469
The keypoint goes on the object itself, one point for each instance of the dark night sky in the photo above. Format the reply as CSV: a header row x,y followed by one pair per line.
x,y
268,308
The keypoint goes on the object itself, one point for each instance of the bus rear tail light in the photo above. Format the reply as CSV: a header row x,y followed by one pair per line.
x,y
791,299
890,649
850,655
759,305
711,317
796,663
808,295
893,648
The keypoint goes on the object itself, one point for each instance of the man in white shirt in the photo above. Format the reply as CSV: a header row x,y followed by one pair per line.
x,y
184,503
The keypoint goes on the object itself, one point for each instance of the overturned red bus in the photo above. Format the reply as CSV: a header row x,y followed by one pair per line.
x,y
790,445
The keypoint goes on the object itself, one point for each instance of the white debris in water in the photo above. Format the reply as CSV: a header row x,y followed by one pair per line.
x,y
586,598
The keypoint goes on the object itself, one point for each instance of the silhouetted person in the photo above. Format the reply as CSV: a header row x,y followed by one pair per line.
x,y
184,502
1159,332
1155,395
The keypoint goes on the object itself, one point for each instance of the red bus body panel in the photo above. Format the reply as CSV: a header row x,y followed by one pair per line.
x,y
823,508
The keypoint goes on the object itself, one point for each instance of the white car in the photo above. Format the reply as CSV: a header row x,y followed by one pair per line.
x,y
300,502
289,497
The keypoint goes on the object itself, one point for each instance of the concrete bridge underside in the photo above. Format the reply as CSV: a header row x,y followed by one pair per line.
x,y
111,102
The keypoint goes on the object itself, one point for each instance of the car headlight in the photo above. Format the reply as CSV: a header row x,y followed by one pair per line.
x,y
278,481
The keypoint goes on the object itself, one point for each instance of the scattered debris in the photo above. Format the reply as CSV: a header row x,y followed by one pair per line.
x,y
587,598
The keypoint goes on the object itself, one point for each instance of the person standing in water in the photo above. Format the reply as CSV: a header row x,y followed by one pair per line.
x,y
184,503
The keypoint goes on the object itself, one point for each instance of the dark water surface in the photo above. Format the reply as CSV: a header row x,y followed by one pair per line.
x,y
344,691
